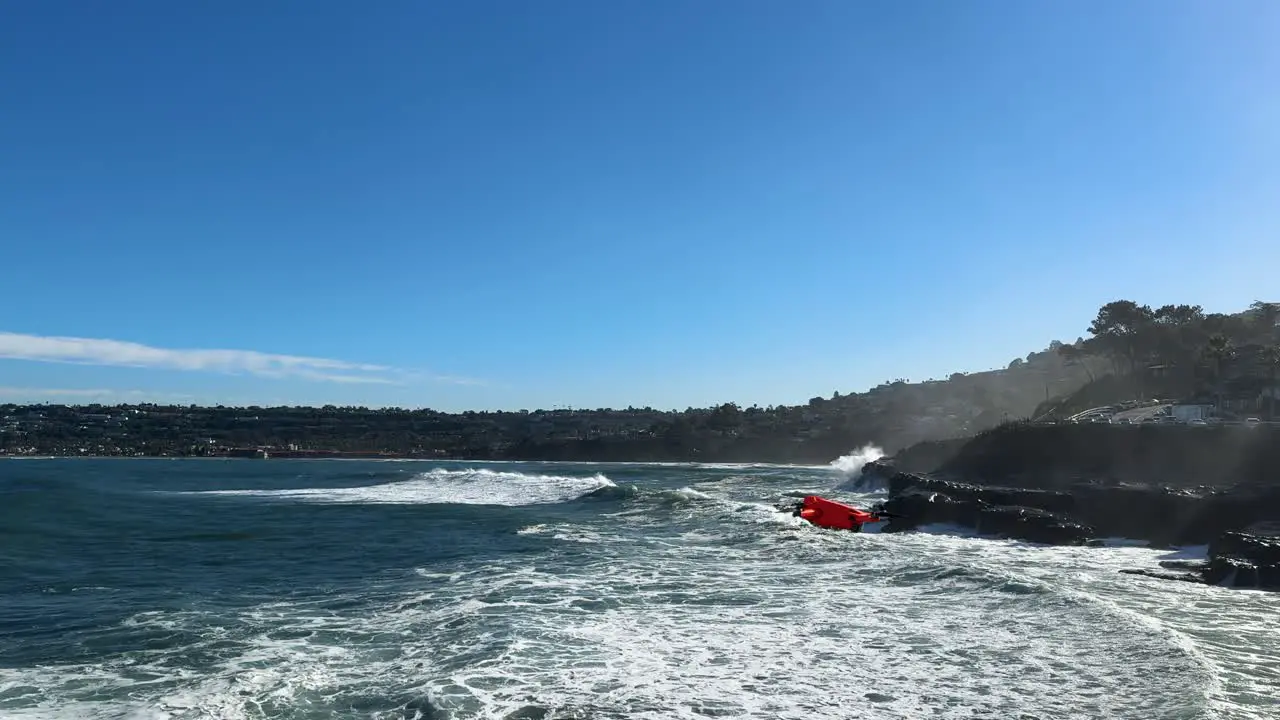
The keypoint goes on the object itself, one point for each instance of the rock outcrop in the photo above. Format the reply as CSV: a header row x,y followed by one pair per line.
x,y
1001,486
1236,559
1055,455
1161,515
1031,515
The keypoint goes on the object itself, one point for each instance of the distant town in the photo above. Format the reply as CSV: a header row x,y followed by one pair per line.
x,y
1139,365
818,431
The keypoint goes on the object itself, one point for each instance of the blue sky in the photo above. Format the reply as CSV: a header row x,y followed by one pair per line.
x,y
519,205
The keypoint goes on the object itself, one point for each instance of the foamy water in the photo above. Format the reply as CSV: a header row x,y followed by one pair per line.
x,y
637,592
850,465
478,486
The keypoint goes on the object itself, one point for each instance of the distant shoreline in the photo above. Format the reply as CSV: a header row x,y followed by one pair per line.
x,y
1112,446
505,461
648,451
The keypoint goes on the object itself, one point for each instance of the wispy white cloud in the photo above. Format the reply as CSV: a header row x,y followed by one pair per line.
x,y
95,351
29,394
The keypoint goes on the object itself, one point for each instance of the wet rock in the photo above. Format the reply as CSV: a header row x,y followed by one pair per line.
x,y
1242,560
1184,564
1163,516
1052,501
872,476
1236,559
911,509
1247,546
1184,576
1077,484
1032,525
1031,515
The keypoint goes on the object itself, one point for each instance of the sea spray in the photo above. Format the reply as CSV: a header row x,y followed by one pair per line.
x,y
850,467
851,464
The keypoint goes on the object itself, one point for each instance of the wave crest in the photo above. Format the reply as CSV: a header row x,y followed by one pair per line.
x,y
850,467
852,463
449,487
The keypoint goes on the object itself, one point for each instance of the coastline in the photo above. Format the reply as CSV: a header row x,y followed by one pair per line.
x,y
1053,484
391,459
1040,454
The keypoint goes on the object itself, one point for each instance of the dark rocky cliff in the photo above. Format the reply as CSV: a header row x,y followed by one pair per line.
x,y
1047,456
1076,484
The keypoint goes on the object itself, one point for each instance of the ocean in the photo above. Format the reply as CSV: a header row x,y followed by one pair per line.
x,y
236,589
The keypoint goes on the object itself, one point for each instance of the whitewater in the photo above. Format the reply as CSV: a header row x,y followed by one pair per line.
x,y
247,589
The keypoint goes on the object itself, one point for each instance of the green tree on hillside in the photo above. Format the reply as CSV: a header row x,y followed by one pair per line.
x,y
725,417
1176,335
1121,331
1265,315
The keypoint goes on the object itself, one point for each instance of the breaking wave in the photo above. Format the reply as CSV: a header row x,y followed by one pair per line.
x,y
852,463
449,487
615,492
607,598
850,468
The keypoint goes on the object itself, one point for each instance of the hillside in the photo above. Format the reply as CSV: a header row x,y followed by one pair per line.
x,y
892,415
1176,351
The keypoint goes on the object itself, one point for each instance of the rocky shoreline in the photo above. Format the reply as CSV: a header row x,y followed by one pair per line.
x,y
1235,560
1080,503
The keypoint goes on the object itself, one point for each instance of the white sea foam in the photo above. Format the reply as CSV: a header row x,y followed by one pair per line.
x,y
568,533
723,606
442,486
853,463
688,493
703,630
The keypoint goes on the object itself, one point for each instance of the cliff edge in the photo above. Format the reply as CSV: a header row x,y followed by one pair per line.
x,y
1078,484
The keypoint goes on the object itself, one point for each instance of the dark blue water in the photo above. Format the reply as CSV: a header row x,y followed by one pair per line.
x,y
338,589
89,542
